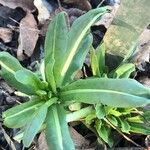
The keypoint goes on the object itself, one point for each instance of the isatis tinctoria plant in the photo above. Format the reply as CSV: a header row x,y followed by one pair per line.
x,y
52,92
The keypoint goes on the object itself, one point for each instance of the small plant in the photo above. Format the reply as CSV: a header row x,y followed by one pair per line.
x,y
56,89
104,119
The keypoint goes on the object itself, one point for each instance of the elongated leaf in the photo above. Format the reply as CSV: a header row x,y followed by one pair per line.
x,y
100,111
114,112
55,48
112,120
94,63
136,119
29,79
112,92
101,58
103,132
34,125
125,127
80,114
19,116
140,128
57,134
124,71
75,37
9,65
78,58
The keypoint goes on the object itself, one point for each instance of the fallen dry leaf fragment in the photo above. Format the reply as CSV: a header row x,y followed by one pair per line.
x,y
24,4
5,34
28,37
44,10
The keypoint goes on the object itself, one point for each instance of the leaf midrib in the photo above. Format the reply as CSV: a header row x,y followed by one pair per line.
x,y
24,110
73,51
95,91
58,127
7,68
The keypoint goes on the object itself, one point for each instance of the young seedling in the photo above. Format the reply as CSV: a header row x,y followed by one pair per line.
x,y
50,96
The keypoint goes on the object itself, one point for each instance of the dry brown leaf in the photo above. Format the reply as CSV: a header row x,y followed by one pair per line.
x,y
24,4
5,34
81,4
44,10
28,37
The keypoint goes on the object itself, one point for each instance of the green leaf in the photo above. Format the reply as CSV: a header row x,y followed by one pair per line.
x,y
28,78
111,92
94,63
90,118
136,119
112,120
104,132
19,135
55,48
78,58
140,128
10,65
100,111
19,116
124,125
57,133
75,38
101,58
34,125
146,115
80,114
124,71
114,112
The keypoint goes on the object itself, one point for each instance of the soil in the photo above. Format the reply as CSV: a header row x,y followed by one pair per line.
x,y
10,17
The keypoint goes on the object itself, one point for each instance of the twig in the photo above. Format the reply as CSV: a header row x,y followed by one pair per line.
x,y
100,3
127,138
14,20
59,3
